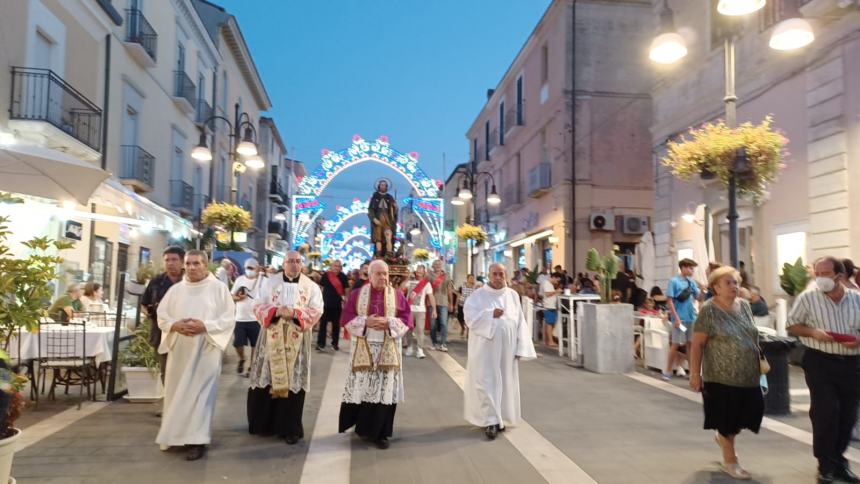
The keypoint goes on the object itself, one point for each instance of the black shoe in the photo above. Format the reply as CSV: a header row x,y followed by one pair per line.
x,y
500,428
291,439
826,478
158,414
383,443
194,452
491,432
844,474
241,368
320,348
336,348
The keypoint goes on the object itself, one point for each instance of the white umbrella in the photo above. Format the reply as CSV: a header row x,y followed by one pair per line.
x,y
46,173
647,261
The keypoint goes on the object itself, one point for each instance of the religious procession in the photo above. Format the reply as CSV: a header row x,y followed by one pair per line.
x,y
381,312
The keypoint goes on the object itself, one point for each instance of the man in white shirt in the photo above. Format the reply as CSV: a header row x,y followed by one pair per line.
x,y
419,290
246,293
549,293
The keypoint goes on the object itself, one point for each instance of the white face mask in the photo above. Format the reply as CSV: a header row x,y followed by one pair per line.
x,y
825,284
251,272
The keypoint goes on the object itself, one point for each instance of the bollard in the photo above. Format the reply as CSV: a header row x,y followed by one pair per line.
x,y
777,401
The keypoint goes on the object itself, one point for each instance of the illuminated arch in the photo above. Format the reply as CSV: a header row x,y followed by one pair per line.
x,y
308,206
334,162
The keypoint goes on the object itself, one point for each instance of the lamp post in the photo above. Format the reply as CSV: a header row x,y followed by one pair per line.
x,y
465,193
669,47
240,147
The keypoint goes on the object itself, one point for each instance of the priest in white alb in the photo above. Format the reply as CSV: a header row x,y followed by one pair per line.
x,y
377,317
196,318
498,338
289,306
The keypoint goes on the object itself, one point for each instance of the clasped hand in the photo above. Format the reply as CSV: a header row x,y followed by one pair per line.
x,y
285,312
377,322
189,327
498,312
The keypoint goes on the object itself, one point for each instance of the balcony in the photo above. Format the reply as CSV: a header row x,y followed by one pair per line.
x,y
514,118
184,92
47,110
511,196
200,202
140,38
181,197
204,111
540,179
276,190
493,142
137,169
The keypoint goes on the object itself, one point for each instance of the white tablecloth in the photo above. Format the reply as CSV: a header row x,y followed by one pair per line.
x,y
99,342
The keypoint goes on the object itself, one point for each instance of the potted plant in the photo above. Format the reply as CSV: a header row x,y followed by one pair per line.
x,y
232,218
11,406
421,255
140,366
794,279
711,153
471,232
607,328
144,273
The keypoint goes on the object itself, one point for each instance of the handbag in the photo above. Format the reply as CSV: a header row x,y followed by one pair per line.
x,y
361,358
763,365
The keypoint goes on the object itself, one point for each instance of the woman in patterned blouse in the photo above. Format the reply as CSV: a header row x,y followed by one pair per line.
x,y
724,366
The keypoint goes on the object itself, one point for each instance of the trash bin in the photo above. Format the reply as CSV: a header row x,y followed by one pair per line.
x,y
776,349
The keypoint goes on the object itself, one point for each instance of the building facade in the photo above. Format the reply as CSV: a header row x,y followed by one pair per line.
x,y
814,99
124,86
565,137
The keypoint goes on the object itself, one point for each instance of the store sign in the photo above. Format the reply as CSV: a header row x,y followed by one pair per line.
x,y
74,230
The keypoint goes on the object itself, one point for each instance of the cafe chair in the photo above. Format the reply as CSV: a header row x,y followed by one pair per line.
x,y
63,351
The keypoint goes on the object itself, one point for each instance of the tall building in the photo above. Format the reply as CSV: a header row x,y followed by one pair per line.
x,y
565,137
813,96
125,88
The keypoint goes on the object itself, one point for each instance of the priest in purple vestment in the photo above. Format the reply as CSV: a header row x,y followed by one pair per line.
x,y
377,317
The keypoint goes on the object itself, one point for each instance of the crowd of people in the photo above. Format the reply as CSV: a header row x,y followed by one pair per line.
x,y
196,314
712,322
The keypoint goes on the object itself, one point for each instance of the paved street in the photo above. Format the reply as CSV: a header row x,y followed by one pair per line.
x,y
581,427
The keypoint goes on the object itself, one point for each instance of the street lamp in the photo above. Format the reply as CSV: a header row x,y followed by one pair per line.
x,y
457,201
416,229
465,193
247,147
790,34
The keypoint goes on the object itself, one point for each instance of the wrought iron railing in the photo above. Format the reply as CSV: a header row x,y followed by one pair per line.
x,y
181,195
139,31
184,87
515,116
137,164
42,95
204,110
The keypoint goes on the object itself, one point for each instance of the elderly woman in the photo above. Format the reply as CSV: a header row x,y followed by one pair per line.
x,y
724,366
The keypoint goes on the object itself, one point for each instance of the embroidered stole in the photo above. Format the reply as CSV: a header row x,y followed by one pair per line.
x,y
285,343
389,356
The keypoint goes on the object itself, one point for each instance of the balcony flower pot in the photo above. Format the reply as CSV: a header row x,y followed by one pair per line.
x,y
711,152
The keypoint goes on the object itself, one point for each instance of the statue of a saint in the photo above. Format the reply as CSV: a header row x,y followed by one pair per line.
x,y
382,212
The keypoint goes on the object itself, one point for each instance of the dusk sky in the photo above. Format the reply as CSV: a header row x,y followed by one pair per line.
x,y
417,71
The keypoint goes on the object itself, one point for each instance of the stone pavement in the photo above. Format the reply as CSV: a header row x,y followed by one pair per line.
x,y
615,428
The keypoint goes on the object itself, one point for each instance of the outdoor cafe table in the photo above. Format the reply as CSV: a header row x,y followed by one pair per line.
x,y
99,342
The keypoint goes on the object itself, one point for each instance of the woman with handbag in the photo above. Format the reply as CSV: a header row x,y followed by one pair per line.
x,y
726,365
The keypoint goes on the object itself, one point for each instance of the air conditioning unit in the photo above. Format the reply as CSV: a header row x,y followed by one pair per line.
x,y
601,221
634,225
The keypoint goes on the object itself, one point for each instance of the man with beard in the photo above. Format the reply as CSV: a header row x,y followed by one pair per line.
x,y
382,212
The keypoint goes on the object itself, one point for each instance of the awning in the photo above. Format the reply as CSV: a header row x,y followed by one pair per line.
x,y
47,173
531,238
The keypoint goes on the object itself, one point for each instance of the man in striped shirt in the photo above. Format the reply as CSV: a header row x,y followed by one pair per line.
x,y
826,318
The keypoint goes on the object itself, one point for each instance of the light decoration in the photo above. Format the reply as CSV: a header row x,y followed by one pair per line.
x,y
308,206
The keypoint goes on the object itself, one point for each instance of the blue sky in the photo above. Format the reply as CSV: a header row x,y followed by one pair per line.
x,y
415,70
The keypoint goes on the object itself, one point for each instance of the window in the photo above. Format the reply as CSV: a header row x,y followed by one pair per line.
x,y
520,100
222,177
544,64
544,147
180,57
776,11
224,92
487,140
501,123
790,247
475,149
518,166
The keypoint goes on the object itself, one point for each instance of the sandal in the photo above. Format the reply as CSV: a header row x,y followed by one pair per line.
x,y
736,471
